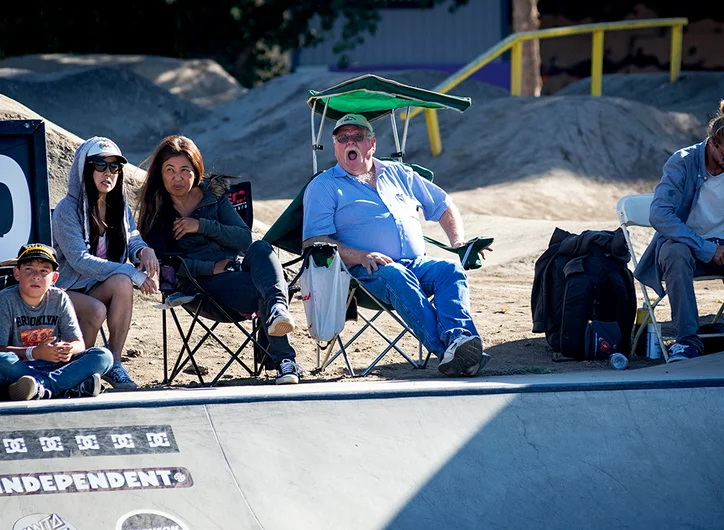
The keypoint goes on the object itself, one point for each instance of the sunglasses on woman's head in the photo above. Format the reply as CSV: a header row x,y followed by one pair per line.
x,y
101,167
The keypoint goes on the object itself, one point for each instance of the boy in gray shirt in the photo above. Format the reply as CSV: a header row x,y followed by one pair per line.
x,y
42,353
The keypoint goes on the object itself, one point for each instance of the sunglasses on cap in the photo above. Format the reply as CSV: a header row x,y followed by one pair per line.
x,y
356,137
101,167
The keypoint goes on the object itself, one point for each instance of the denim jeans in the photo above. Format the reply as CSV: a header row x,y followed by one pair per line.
x,y
256,287
406,285
56,377
678,269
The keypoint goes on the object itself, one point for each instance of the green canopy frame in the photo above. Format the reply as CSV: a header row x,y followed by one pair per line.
x,y
374,97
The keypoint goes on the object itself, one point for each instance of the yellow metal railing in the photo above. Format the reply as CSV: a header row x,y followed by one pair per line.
x,y
514,43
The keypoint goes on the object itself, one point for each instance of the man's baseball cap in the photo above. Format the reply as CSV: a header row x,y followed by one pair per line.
x,y
104,147
356,120
37,251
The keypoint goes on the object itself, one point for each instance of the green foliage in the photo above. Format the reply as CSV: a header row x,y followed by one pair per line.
x,y
247,37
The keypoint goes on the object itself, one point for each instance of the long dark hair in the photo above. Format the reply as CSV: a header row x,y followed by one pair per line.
x,y
153,193
113,224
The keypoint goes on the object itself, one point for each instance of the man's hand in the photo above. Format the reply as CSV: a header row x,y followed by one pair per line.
x,y
372,260
718,258
149,262
183,226
58,352
220,266
458,244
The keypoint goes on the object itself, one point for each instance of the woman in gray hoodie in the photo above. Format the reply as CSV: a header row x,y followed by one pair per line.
x,y
96,240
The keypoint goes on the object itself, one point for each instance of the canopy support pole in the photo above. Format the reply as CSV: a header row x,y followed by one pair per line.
x,y
399,153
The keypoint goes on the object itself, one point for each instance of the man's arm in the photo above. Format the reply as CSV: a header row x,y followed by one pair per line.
x,y
668,195
353,256
452,224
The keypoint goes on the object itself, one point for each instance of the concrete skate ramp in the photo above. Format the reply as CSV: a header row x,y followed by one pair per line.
x,y
634,449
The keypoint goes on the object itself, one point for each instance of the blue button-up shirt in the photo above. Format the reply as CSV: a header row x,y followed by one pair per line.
x,y
674,197
384,220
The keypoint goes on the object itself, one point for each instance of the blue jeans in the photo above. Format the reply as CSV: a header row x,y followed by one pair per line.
x,y
678,269
406,285
56,377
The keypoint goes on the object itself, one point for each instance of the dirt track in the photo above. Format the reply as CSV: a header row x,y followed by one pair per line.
x,y
517,167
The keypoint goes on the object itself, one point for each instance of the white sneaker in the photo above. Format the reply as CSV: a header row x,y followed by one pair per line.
x,y
27,388
464,356
280,322
475,369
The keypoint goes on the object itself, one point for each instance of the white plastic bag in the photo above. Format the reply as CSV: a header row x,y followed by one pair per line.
x,y
324,295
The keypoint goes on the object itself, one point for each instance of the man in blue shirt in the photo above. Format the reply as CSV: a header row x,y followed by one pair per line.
x,y
369,209
688,217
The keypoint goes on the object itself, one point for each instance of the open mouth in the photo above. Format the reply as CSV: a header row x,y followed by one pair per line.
x,y
353,154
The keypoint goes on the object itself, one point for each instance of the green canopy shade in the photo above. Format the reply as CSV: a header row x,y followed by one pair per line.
x,y
374,97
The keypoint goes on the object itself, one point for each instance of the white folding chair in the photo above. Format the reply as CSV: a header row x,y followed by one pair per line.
x,y
633,210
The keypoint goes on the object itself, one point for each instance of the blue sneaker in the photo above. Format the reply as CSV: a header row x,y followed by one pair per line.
x,y
118,378
682,352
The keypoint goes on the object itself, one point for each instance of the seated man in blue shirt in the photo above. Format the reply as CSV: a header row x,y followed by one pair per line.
x,y
369,209
689,241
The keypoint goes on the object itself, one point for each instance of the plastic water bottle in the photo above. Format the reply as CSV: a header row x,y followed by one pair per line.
x,y
618,361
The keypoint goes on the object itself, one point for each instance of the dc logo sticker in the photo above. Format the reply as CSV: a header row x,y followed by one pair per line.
x,y
148,520
15,208
43,520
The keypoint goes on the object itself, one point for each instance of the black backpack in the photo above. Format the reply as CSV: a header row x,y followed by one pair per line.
x,y
583,288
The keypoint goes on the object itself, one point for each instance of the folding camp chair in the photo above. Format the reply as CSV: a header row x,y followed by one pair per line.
x,y
373,97
206,313
633,210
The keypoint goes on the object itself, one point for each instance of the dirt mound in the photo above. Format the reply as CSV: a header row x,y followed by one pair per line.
x,y
697,93
266,134
103,101
61,145
201,81
548,158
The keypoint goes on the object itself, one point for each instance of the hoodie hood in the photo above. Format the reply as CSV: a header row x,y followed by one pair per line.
x,y
76,189
97,144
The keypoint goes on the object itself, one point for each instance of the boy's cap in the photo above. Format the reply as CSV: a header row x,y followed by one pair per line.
x,y
37,251
353,119
105,147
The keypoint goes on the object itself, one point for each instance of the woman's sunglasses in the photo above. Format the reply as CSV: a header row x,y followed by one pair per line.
x,y
101,167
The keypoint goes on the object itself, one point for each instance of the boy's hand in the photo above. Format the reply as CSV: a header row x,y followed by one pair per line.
x,y
58,352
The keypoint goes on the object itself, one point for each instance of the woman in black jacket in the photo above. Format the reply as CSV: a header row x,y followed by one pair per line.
x,y
186,214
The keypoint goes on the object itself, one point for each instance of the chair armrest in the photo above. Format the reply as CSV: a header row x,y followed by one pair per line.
x,y
469,253
171,264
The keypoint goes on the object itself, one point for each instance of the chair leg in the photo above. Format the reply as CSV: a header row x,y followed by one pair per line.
x,y
384,352
165,342
392,344
718,314
652,317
